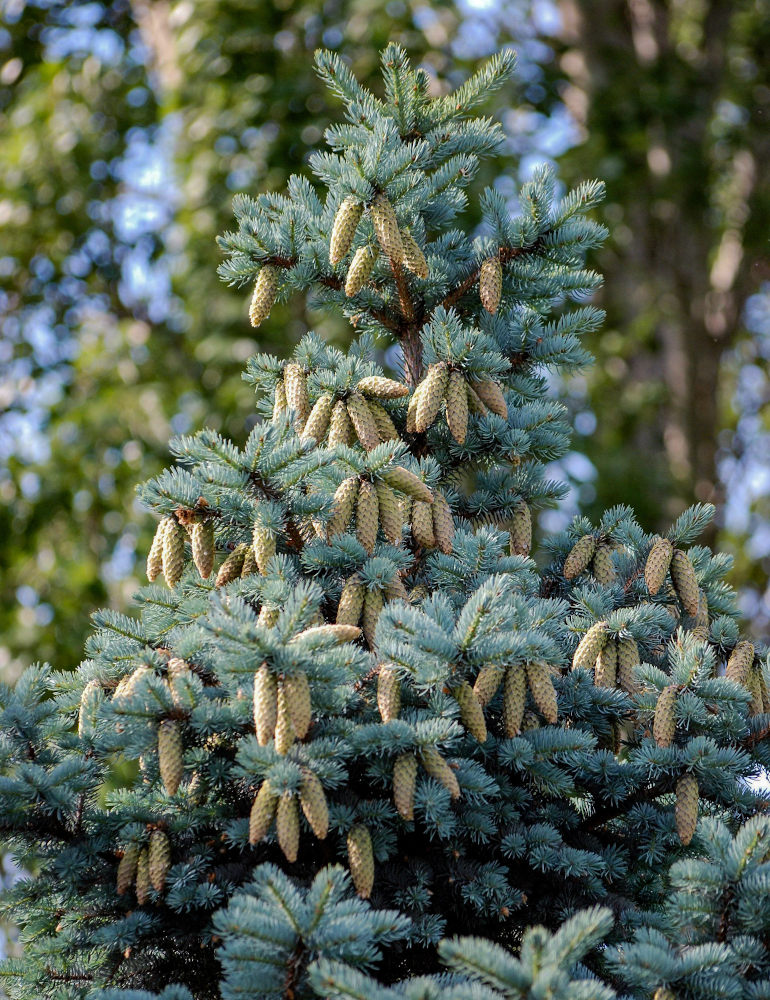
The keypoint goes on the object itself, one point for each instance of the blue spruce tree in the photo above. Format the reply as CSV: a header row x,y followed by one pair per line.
x,y
376,750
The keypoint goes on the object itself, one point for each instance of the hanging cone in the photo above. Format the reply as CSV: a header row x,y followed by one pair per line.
x,y
262,813
158,859
363,421
386,227
491,284
344,229
155,555
373,605
543,691
344,503
657,565
404,481
170,756
404,782
514,699
579,557
438,768
443,525
590,646
361,860
297,398
287,826
299,703
318,418
314,805
606,673
664,725
685,581
127,869
173,552
457,407
202,542
265,704
341,430
263,297
686,809
628,659
432,396
487,682
351,602
470,711
388,693
521,530
367,515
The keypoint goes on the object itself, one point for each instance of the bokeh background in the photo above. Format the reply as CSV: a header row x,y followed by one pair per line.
x,y
125,129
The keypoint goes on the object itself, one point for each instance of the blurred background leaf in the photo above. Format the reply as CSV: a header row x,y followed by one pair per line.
x,y
127,128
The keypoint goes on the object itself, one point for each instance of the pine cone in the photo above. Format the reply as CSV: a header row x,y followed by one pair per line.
x,y
628,658
361,860
388,693
386,227
351,602
603,570
340,633
443,525
491,284
432,396
232,567
686,809
422,525
521,530
262,812
267,616
344,229
314,805
411,410
155,555
382,388
344,503
263,297
658,562
173,552
491,395
685,581
590,646
406,482
363,421
579,557
299,703
249,563
389,513
287,826
170,755
413,257
664,724
318,419
297,398
284,730
543,691
367,515
341,428
142,877
279,401
360,269
395,590
606,673
740,661
471,712
89,702
438,768
754,686
457,407
475,404
514,699
202,540
404,782
385,426
487,682
158,859
373,605
127,869
265,704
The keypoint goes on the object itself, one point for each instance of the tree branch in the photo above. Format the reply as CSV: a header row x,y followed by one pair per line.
x,y
506,254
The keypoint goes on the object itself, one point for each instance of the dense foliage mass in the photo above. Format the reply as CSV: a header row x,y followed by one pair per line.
x,y
364,721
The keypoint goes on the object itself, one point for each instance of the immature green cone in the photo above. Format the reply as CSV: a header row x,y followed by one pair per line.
x,y
422,525
344,503
658,562
351,601
142,877
341,429
265,704
279,401
263,297
385,426
602,567
284,730
475,404
361,860
580,555
373,605
443,525
249,563
299,703
318,419
628,658
543,691
411,410
457,407
413,257
754,687
685,581
521,530
606,673
491,284
202,541
389,513
404,782
287,825
382,388
491,395
267,617
388,693
262,812
170,756
404,481
438,768
363,421
487,682
126,685
264,546
432,396
740,661
360,269
686,809
297,398
158,859
386,227
470,711
344,229
173,552
155,555
232,567
664,724
312,798
127,869
90,700
367,515
590,646
514,699
395,589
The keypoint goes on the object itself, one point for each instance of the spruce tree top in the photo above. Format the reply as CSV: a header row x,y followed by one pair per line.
x,y
355,721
